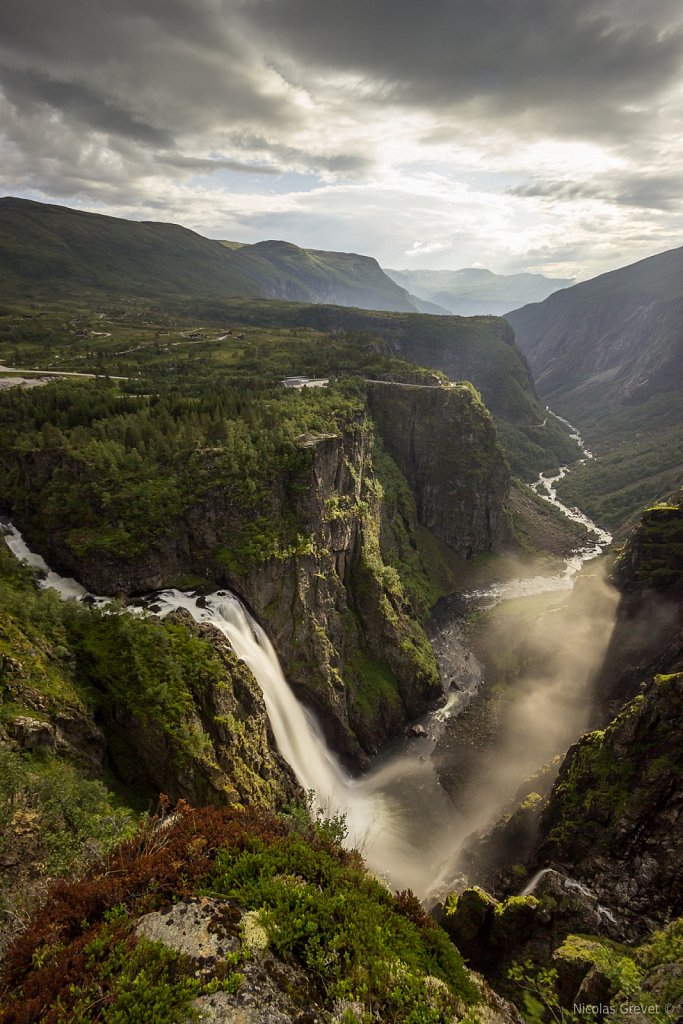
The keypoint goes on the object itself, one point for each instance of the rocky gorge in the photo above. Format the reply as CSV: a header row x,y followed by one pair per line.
x,y
343,603
350,514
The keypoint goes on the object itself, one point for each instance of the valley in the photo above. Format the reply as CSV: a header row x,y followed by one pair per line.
x,y
606,354
372,620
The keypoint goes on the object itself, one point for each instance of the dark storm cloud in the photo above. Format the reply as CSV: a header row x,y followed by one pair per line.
x,y
158,69
653,192
387,121
645,191
173,66
26,88
199,164
576,64
556,190
348,163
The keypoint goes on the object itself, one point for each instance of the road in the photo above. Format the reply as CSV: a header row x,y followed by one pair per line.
x,y
60,373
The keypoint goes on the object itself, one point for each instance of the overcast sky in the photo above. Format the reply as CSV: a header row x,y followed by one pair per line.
x,y
540,135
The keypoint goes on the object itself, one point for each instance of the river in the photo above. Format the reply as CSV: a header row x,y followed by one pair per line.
x,y
398,814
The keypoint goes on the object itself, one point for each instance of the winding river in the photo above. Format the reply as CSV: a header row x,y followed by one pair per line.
x,y
398,814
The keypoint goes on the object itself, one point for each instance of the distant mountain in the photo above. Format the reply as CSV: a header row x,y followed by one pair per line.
x,y
285,271
608,355
51,252
474,291
48,251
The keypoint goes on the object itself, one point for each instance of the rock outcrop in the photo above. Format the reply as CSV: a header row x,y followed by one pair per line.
x,y
230,754
613,821
615,815
58,700
648,634
444,442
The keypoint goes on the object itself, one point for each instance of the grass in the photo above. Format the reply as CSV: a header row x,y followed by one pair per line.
x,y
287,888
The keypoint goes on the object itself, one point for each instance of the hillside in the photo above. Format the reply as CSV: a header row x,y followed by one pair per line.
x,y
474,291
54,254
608,355
286,271
49,251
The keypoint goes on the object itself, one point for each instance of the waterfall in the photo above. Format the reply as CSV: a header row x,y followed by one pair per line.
x,y
400,837
397,815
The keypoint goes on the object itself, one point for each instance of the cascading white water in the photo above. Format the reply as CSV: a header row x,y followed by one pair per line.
x,y
68,589
398,814
402,836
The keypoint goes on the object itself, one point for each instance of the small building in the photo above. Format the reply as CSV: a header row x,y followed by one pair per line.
x,y
306,382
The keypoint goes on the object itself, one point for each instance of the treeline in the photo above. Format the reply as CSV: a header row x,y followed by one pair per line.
x,y
116,471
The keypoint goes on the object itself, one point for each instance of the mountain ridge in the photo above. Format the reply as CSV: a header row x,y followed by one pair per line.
x,y
607,354
46,247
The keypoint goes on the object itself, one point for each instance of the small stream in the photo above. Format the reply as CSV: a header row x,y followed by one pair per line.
x,y
398,814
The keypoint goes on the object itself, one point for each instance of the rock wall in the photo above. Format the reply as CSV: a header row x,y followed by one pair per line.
x,y
444,442
231,756
648,634
223,750
615,815
336,600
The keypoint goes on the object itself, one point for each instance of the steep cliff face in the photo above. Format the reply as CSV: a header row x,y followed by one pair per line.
x,y
615,815
325,555
99,714
593,333
444,443
648,634
597,860
608,355
88,696
223,750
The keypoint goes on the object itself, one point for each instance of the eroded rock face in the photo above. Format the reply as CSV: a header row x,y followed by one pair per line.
x,y
334,603
32,734
648,634
200,928
234,758
494,934
207,931
444,443
614,818
616,812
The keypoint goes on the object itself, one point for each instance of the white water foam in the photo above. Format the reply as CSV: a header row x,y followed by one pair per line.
x,y
397,814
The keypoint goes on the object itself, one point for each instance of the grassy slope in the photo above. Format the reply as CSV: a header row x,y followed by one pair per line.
x,y
49,251
52,252
311,275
